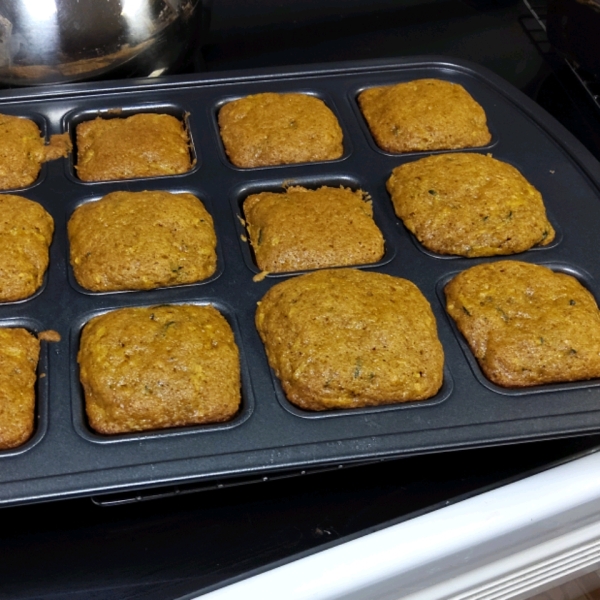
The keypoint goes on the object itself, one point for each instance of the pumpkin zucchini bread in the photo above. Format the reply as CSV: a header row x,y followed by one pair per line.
x,y
158,367
526,324
348,338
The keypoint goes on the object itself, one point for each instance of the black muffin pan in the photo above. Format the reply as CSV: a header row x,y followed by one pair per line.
x,y
64,458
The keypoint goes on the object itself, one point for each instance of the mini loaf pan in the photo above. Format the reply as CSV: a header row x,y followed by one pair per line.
x,y
269,436
77,395
71,120
277,186
40,422
294,88
195,191
583,278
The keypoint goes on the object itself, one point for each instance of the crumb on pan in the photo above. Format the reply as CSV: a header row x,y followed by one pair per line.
x,y
260,276
59,146
49,335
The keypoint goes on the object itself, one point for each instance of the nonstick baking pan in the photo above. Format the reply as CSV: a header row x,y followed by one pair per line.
x,y
65,458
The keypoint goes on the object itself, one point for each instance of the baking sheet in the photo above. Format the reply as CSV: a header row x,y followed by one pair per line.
x,y
65,458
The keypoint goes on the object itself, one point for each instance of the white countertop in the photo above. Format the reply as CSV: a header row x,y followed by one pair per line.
x,y
506,543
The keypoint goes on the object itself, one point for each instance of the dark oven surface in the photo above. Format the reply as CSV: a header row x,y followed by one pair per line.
x,y
182,542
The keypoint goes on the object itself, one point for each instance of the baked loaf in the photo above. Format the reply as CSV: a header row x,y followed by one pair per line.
x,y
275,129
526,324
143,145
469,204
425,114
22,151
158,367
310,229
19,353
141,240
347,338
25,235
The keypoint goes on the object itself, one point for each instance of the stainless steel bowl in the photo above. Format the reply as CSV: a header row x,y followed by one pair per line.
x,y
50,41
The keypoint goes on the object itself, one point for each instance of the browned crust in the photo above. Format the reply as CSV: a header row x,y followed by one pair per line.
x,y
22,151
347,338
425,114
526,324
159,367
310,229
142,240
274,129
25,235
19,353
142,145
469,204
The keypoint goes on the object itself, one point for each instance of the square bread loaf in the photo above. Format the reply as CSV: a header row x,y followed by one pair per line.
x,y
526,324
424,114
141,240
25,235
311,229
347,338
142,145
23,150
469,204
19,354
159,367
275,129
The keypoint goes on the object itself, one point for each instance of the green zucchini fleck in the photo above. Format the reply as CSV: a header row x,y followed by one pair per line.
x,y
166,326
357,368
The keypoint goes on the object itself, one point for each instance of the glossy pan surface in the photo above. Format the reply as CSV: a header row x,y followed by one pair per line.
x,y
65,458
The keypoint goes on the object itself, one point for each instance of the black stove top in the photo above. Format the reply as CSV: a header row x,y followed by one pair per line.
x,y
164,548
